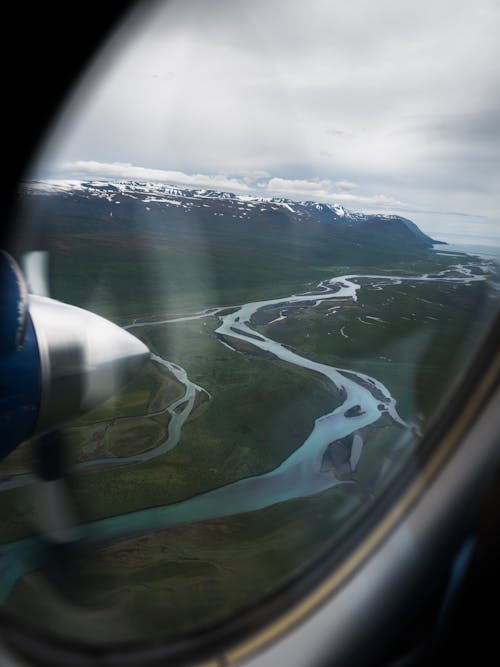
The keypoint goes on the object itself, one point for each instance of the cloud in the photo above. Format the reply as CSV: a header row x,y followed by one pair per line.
x,y
334,132
253,176
261,183
371,202
130,172
254,182
291,186
345,186
327,191
278,98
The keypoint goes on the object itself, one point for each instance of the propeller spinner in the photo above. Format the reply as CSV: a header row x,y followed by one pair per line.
x,y
57,361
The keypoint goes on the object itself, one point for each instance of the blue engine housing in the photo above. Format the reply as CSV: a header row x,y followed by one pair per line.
x,y
20,377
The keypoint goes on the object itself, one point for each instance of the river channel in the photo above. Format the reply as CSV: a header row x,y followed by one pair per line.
x,y
299,475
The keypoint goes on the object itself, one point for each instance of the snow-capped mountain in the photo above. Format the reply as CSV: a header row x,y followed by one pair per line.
x,y
156,197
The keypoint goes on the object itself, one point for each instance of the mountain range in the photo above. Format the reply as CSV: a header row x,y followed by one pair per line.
x,y
207,203
128,248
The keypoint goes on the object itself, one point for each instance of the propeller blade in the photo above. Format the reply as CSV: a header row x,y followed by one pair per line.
x,y
35,265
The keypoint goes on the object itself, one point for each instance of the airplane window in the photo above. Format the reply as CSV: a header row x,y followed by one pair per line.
x,y
268,236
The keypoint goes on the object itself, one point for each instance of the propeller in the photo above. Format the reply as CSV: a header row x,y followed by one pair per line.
x,y
57,361
35,266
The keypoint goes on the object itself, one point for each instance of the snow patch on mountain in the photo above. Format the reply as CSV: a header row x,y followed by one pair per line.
x,y
166,195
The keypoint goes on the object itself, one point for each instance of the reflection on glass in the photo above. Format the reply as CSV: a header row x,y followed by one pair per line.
x,y
239,191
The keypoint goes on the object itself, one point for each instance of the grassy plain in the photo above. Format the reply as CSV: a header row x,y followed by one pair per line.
x,y
171,582
259,412
412,337
261,409
141,263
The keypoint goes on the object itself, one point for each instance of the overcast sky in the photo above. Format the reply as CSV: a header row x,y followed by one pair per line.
x,y
381,105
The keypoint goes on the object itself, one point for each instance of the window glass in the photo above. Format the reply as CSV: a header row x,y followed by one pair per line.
x,y
295,206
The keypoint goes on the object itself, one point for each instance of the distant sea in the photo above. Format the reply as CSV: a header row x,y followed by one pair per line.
x,y
483,246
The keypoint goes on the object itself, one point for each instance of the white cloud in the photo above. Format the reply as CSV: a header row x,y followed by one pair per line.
x,y
130,172
255,182
345,186
263,96
314,187
255,175
262,183
325,190
370,202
